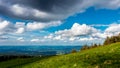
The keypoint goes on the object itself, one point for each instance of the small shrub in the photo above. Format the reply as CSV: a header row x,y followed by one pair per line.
x,y
73,51
85,47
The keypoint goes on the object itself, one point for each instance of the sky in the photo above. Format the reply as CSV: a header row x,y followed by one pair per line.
x,y
58,22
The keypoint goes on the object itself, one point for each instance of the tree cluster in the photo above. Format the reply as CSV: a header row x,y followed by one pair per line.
x,y
108,40
85,47
113,39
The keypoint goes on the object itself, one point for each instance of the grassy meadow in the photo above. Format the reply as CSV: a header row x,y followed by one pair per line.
x,y
100,57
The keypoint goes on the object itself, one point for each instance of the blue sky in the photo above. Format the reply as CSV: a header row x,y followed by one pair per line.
x,y
92,16
58,22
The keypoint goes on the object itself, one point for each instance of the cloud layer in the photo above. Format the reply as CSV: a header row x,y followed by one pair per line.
x,y
50,13
83,32
7,27
78,33
22,32
51,10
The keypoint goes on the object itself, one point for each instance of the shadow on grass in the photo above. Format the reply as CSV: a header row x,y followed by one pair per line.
x,y
20,61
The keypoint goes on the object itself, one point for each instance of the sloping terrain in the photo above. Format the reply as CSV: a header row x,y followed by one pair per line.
x,y
100,57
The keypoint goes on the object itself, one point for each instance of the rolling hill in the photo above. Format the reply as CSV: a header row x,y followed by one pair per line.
x,y
100,57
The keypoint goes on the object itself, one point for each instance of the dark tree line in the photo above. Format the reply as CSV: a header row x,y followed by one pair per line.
x,y
85,47
113,39
9,57
108,40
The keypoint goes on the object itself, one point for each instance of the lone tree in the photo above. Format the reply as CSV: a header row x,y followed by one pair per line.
x,y
107,41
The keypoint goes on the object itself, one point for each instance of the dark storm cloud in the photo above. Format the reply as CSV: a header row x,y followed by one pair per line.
x,y
47,5
56,9
51,10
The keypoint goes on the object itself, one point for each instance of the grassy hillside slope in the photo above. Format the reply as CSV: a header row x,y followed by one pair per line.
x,y
101,57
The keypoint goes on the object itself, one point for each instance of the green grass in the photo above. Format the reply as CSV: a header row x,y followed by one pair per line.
x,y
19,62
101,57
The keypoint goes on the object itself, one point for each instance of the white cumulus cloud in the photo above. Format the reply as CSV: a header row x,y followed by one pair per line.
x,y
77,30
20,30
21,39
6,27
113,28
35,40
41,25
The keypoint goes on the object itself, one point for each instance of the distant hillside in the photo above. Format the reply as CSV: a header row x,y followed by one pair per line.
x,y
99,57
